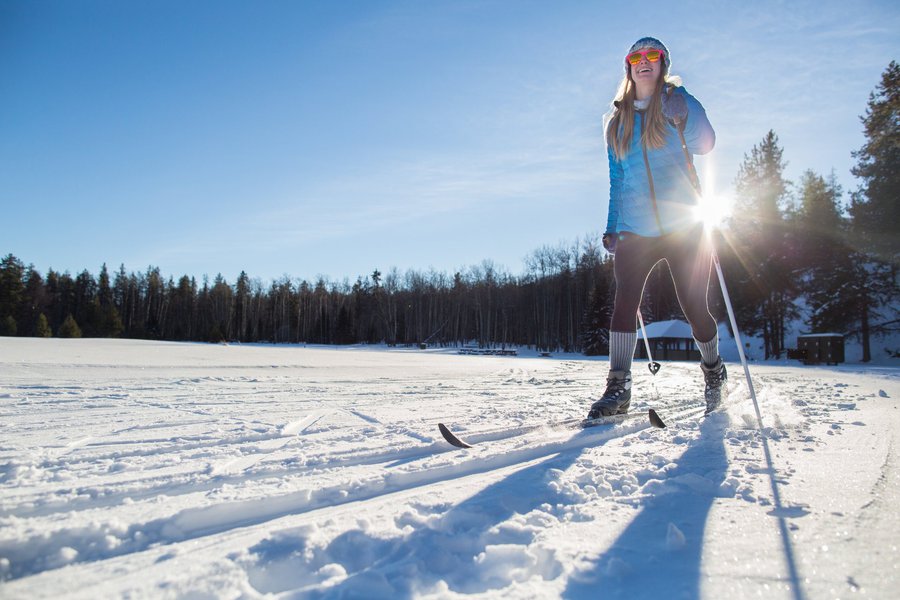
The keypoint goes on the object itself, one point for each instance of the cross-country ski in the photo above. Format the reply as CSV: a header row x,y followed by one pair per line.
x,y
571,424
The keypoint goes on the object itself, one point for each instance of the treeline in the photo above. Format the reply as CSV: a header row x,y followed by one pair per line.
x,y
549,307
790,251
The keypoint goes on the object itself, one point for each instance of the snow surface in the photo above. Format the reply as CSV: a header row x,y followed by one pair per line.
x,y
667,329
142,469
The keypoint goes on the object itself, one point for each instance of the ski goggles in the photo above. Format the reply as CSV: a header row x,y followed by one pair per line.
x,y
652,55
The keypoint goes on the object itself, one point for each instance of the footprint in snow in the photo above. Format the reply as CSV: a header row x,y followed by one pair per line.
x,y
789,512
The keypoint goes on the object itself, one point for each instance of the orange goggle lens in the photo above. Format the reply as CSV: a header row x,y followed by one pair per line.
x,y
652,55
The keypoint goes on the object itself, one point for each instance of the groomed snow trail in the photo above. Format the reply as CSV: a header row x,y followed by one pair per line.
x,y
143,469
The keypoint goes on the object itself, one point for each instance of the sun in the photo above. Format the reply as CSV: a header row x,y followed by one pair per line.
x,y
712,210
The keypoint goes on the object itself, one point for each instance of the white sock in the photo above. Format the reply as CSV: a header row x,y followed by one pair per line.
x,y
709,351
621,349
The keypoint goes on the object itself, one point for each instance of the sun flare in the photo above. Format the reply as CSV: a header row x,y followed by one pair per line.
x,y
712,211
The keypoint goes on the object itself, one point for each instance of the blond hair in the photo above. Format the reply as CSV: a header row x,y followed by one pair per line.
x,y
620,126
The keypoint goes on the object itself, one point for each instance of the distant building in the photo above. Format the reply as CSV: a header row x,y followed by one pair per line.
x,y
815,348
669,340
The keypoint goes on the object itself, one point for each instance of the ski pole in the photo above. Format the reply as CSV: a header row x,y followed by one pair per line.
x,y
737,333
653,365
655,419
695,180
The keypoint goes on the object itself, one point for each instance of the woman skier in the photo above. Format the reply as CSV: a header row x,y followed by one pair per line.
x,y
652,214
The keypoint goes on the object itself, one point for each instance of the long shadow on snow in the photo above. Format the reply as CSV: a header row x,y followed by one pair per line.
x,y
449,546
641,563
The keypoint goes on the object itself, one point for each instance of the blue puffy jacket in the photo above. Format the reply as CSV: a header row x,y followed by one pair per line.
x,y
650,191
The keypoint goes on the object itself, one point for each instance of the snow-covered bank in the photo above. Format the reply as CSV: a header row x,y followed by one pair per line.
x,y
145,469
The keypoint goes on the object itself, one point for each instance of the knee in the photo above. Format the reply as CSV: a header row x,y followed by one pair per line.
x,y
703,327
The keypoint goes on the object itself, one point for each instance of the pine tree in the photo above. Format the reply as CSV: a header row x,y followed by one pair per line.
x,y
86,310
108,321
183,300
221,298
819,221
822,259
123,300
43,327
242,306
104,291
874,210
34,301
876,205
69,328
12,286
595,324
112,322
8,326
757,258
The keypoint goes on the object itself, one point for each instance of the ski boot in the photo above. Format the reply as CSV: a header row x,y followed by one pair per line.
x,y
616,398
715,376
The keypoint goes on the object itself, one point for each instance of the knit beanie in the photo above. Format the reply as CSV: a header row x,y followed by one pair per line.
x,y
650,42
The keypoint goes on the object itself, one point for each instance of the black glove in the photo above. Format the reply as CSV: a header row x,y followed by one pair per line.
x,y
674,107
609,242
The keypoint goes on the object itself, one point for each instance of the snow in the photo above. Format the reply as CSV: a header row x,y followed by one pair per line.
x,y
822,335
144,469
668,329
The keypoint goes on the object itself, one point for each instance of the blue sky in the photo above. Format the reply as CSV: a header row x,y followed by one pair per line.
x,y
333,138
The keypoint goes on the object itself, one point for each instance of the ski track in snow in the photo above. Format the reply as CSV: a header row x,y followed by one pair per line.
x,y
150,469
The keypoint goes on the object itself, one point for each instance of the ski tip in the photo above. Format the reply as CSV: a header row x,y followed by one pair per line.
x,y
451,438
655,420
